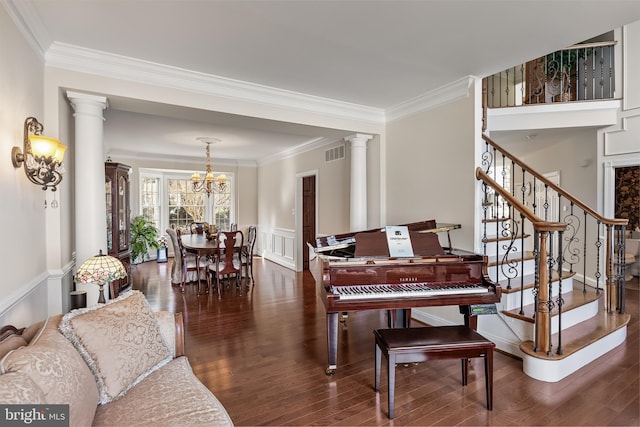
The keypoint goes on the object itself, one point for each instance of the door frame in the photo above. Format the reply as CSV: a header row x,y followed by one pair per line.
x,y
299,244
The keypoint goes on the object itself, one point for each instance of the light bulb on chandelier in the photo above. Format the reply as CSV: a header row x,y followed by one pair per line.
x,y
210,181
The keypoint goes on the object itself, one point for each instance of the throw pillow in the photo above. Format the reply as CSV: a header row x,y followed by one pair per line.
x,y
58,370
120,341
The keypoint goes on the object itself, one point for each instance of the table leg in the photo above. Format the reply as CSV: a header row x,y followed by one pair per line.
x,y
198,273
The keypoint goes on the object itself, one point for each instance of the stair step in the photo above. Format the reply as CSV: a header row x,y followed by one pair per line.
x,y
494,220
573,299
581,344
529,281
503,238
580,336
522,257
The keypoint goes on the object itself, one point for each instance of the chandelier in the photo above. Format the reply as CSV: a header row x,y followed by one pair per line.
x,y
210,181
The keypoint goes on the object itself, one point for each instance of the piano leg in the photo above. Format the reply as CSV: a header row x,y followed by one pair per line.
x,y
470,320
399,318
332,342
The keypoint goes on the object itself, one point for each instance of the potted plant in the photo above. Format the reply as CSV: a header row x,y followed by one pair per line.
x,y
144,236
162,250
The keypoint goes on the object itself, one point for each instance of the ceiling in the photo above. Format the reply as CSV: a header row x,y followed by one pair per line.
x,y
377,54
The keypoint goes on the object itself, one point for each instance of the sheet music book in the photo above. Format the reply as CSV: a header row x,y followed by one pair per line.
x,y
399,241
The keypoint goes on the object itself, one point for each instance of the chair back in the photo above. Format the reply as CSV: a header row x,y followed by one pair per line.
x,y
173,238
251,239
228,252
199,227
183,251
176,269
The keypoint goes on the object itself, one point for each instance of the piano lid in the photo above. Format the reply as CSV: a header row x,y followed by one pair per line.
x,y
344,245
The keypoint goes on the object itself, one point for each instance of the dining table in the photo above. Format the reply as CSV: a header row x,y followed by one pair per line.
x,y
199,245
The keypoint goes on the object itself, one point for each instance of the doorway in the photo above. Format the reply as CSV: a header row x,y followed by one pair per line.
x,y
308,217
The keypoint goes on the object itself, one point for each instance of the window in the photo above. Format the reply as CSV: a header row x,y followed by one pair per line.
x,y
185,206
167,198
149,199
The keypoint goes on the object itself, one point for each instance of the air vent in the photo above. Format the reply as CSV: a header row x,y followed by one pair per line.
x,y
335,153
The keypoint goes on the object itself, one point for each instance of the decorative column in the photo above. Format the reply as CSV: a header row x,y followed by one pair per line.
x,y
358,180
90,204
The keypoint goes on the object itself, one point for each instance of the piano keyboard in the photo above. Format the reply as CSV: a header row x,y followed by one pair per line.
x,y
405,290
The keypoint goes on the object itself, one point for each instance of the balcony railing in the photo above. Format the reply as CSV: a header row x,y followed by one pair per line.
x,y
578,73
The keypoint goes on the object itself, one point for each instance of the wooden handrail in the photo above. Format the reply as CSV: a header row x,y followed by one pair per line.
x,y
559,190
538,223
592,45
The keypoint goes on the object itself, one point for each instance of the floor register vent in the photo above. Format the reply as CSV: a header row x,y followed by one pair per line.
x,y
335,153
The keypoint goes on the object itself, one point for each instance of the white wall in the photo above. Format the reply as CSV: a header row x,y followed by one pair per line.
x,y
277,183
23,255
430,168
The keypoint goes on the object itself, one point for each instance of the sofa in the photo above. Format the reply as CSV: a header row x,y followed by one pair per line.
x,y
115,364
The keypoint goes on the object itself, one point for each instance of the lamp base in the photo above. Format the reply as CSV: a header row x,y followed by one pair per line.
x,y
101,299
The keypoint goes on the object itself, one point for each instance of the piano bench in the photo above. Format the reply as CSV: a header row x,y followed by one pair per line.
x,y
408,345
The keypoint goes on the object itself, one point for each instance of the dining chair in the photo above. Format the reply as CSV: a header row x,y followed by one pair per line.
x,y
247,252
176,267
228,260
199,227
184,267
233,226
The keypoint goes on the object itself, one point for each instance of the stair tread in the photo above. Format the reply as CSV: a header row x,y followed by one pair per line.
x,y
529,281
580,336
494,220
573,299
525,256
504,238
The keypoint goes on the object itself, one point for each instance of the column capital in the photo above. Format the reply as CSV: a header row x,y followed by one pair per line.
x,y
358,138
78,98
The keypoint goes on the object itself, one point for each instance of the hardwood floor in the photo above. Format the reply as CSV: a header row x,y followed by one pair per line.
x,y
263,355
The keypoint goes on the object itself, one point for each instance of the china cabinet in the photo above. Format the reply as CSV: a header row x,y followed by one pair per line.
x,y
117,177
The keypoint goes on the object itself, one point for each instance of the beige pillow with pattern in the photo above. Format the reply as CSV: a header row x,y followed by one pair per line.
x,y
120,341
59,371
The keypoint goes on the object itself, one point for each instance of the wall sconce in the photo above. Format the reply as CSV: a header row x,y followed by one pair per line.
x,y
42,156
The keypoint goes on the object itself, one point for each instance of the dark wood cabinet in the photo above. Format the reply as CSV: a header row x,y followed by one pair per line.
x,y
116,187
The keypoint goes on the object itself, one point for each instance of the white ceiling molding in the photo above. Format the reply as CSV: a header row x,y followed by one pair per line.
x,y
29,23
303,148
79,59
443,95
186,160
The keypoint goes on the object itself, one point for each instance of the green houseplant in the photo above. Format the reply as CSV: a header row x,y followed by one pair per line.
x,y
144,236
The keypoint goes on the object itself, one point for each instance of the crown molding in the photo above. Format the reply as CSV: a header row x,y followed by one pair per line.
x,y
443,95
302,148
186,160
29,24
90,61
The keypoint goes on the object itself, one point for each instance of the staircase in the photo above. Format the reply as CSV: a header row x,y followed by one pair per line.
x,y
563,285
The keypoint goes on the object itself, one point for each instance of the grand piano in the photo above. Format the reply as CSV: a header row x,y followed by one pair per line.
x,y
368,279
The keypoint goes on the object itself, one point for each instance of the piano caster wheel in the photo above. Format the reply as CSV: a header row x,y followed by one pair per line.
x,y
330,371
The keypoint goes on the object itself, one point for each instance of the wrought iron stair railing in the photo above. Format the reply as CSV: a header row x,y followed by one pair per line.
x,y
568,236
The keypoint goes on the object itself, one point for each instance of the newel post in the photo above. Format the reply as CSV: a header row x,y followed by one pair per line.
x,y
543,315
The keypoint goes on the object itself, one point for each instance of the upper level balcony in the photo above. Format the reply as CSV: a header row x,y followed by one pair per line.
x,y
572,87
